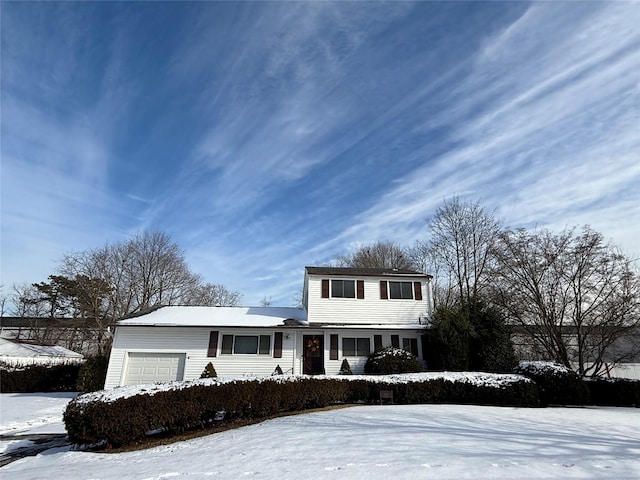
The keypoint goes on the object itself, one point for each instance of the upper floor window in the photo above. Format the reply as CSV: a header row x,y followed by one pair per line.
x,y
343,288
402,290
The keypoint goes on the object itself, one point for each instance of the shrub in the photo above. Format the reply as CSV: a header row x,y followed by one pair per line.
x,y
392,360
39,378
470,337
209,371
557,384
615,392
448,340
345,368
181,406
92,374
491,348
277,371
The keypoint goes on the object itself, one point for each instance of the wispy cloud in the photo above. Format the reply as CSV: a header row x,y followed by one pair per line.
x,y
263,137
561,139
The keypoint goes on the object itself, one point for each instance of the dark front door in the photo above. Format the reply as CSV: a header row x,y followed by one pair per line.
x,y
313,351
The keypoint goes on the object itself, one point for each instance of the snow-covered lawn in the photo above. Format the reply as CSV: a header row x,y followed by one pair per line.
x,y
366,442
22,413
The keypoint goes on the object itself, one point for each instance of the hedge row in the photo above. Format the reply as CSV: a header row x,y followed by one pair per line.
x,y
557,385
204,403
88,376
39,378
614,392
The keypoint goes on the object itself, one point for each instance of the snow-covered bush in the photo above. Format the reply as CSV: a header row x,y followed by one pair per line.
x,y
60,377
557,384
392,360
345,368
209,371
126,415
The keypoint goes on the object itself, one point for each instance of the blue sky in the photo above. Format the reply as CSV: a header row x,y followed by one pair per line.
x,y
263,137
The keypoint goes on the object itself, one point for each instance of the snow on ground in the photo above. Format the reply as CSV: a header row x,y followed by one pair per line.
x,y
365,442
30,413
22,413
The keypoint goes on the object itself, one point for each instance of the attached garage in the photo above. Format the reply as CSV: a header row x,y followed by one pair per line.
x,y
145,367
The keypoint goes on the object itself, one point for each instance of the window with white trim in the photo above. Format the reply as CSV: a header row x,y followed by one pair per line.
x,y
356,347
343,289
401,290
246,344
410,345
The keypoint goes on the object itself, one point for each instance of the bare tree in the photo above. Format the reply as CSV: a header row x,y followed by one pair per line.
x,y
214,295
3,301
145,271
27,301
576,296
427,262
461,236
378,255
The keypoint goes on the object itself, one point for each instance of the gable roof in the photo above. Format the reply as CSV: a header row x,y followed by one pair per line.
x,y
184,316
363,272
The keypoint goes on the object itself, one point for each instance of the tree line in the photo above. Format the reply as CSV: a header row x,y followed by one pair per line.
x,y
107,283
573,297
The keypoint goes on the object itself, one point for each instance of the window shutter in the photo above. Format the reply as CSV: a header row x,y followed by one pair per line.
x,y
325,288
360,288
417,288
277,345
383,290
333,347
413,346
213,344
377,342
395,341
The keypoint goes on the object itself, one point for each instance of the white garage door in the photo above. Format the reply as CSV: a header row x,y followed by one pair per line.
x,y
154,367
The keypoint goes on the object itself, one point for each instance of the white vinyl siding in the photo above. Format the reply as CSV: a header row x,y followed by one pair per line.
x,y
370,310
332,367
193,342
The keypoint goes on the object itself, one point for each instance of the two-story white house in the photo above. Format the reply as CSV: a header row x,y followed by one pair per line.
x,y
347,313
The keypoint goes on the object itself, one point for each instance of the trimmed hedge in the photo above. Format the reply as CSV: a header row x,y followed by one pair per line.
x,y
615,392
39,378
200,404
557,384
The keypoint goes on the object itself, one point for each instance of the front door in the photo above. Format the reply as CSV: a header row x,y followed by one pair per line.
x,y
313,351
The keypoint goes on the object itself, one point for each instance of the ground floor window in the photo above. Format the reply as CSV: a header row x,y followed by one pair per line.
x,y
356,347
246,344
410,345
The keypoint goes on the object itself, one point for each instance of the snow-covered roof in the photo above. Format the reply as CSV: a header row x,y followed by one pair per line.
x,y
12,348
220,317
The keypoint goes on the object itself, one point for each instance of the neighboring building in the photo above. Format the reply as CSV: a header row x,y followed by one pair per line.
x,y
77,334
621,360
14,352
347,314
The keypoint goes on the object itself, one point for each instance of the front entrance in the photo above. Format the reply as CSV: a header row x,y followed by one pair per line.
x,y
313,352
